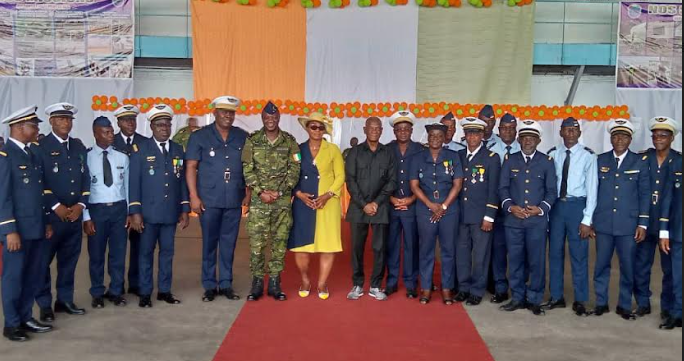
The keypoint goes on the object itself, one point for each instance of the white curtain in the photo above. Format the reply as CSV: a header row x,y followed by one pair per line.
x,y
645,104
362,54
18,93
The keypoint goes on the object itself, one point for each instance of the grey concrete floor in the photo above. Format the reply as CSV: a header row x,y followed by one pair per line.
x,y
194,330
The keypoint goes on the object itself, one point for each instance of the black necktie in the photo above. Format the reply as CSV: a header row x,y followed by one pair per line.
x,y
107,169
617,163
164,151
566,173
28,151
129,141
528,160
470,157
508,149
65,145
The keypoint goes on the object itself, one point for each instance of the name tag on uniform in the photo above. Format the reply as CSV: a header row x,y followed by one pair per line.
x,y
151,159
632,171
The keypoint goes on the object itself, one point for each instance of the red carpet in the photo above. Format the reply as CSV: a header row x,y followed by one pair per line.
x,y
341,330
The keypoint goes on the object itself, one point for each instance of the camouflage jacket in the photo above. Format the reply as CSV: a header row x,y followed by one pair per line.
x,y
183,136
271,167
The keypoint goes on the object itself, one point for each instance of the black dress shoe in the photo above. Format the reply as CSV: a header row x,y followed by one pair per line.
x,y
34,326
474,301
580,309
425,297
411,294
391,290
537,310
643,311
600,311
499,298
274,289
257,290
98,302
134,291
229,294
626,315
462,297
514,306
69,308
46,315
553,304
118,301
168,298
15,334
209,296
665,315
671,323
145,302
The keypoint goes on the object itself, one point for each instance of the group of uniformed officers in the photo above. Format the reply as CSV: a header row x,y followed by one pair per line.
x,y
493,202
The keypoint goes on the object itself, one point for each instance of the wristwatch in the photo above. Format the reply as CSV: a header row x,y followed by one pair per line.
x,y
444,207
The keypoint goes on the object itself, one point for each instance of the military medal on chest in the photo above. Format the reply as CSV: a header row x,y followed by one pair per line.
x,y
212,153
151,171
482,174
56,168
474,176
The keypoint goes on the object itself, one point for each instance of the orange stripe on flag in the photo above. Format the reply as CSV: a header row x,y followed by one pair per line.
x,y
252,52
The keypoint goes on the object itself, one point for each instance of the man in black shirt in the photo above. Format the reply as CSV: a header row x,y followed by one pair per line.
x,y
371,180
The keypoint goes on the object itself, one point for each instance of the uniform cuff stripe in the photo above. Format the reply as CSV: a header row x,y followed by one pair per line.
x,y
492,206
643,216
664,220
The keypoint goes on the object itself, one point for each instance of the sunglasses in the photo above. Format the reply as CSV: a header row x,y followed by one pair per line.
x,y
319,128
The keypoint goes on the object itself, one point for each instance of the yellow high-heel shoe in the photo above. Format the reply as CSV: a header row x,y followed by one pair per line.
x,y
324,295
304,293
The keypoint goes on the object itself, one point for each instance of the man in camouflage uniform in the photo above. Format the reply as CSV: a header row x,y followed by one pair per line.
x,y
182,137
271,163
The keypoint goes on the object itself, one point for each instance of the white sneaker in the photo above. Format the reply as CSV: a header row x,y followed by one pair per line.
x,y
355,294
378,294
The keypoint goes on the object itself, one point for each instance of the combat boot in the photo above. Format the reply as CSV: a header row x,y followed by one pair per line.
x,y
257,289
274,289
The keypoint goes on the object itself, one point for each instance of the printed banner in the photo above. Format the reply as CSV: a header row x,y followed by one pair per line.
x,y
650,46
67,38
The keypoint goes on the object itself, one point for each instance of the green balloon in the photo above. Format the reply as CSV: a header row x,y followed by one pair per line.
x,y
271,3
98,102
479,4
420,2
511,2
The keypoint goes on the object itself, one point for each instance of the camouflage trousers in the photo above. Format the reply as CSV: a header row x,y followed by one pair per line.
x,y
268,227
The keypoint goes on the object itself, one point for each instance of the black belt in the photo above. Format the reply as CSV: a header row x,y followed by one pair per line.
x,y
573,199
107,204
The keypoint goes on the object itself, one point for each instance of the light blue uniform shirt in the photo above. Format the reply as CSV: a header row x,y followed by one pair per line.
x,y
455,146
99,192
501,149
582,177
493,141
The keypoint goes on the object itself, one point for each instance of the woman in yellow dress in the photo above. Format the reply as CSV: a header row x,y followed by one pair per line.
x,y
316,209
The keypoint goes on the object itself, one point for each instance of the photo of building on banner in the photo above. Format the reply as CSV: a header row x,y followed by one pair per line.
x,y
88,39
650,46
